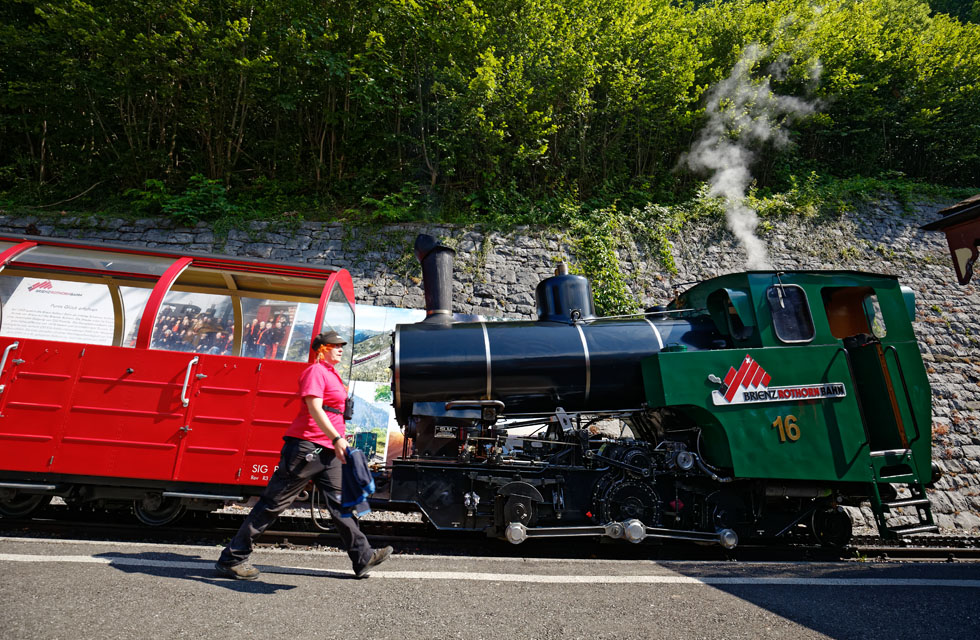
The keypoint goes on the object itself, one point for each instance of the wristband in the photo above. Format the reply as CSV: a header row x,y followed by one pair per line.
x,y
334,441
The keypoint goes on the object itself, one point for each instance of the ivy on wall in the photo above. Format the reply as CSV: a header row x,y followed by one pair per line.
x,y
599,237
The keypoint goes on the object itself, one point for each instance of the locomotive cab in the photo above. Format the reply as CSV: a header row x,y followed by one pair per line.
x,y
828,391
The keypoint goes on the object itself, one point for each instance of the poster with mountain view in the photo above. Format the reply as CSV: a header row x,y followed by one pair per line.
x,y
373,429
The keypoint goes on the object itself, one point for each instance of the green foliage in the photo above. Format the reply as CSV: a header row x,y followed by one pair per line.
x,y
965,10
201,200
382,393
404,205
596,238
149,200
500,111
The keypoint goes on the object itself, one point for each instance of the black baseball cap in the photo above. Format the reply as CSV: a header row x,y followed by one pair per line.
x,y
327,337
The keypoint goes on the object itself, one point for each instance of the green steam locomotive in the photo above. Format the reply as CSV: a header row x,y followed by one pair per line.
x,y
755,405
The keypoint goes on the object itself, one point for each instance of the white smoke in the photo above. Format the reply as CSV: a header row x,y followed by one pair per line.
x,y
743,112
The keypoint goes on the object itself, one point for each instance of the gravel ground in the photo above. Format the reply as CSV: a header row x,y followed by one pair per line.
x,y
303,510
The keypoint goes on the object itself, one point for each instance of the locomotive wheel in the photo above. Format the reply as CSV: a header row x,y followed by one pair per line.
x,y
519,509
831,527
23,505
727,511
628,500
155,511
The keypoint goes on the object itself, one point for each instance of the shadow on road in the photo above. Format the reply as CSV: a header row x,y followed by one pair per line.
x,y
856,601
198,569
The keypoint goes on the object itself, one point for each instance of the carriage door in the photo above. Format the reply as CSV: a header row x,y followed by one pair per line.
x,y
129,407
35,384
217,427
856,318
44,320
129,412
215,387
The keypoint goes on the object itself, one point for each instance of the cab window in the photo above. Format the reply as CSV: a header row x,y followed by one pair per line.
x,y
854,310
791,317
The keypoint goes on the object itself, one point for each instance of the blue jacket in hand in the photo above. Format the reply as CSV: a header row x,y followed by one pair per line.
x,y
357,485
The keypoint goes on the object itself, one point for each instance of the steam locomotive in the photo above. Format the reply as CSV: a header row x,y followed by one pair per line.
x,y
753,406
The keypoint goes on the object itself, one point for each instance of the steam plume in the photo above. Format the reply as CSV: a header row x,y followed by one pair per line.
x,y
742,112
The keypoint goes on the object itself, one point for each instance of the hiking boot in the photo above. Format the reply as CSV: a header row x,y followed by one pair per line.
x,y
379,556
242,571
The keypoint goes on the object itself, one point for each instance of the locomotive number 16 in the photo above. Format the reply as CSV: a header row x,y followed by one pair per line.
x,y
788,429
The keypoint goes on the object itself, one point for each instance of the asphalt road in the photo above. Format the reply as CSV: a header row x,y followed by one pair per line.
x,y
67,589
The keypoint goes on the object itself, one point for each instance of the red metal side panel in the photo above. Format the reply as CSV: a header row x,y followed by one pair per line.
x,y
276,404
38,379
221,412
125,423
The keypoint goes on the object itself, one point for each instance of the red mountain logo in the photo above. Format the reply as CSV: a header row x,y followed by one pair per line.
x,y
750,384
41,285
750,374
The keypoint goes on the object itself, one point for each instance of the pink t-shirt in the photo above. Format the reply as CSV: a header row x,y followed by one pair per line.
x,y
319,380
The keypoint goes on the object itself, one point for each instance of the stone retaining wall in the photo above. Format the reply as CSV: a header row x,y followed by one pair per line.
x,y
496,275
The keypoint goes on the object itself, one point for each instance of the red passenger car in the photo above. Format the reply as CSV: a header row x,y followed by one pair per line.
x,y
160,379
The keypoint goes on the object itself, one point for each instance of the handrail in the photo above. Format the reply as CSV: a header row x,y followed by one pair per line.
x,y
3,361
905,388
183,392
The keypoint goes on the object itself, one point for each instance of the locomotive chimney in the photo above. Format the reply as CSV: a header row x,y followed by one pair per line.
x,y
437,279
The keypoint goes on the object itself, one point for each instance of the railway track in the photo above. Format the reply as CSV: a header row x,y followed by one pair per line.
x,y
416,537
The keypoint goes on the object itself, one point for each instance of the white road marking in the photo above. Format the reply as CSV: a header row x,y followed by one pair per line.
x,y
510,577
403,557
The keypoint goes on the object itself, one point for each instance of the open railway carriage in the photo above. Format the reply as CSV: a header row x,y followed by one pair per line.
x,y
161,380
758,404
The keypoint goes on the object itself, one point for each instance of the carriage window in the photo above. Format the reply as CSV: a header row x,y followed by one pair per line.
x,y
195,322
134,300
102,261
298,344
790,313
277,329
50,309
339,317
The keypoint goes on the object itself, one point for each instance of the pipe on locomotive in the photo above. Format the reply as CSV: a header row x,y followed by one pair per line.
x,y
437,279
566,358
